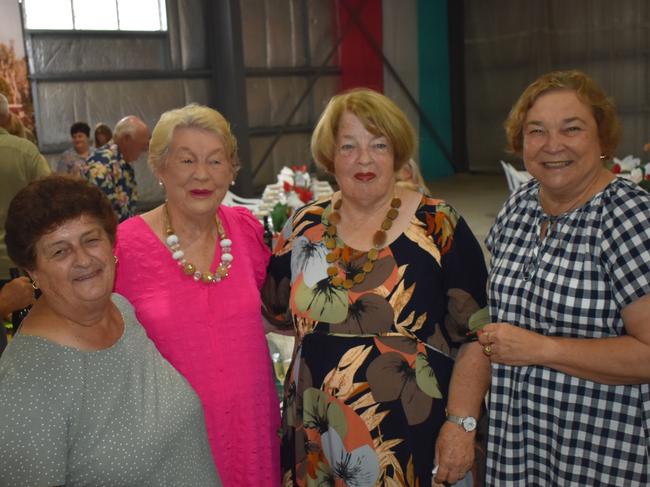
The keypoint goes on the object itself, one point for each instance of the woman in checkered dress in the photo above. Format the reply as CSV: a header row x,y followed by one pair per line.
x,y
569,294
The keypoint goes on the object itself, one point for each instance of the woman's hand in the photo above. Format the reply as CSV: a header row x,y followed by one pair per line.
x,y
454,453
508,344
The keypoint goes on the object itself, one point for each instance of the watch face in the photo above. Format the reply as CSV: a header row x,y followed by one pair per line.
x,y
469,423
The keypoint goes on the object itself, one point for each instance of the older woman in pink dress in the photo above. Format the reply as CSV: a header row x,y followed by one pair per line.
x,y
192,268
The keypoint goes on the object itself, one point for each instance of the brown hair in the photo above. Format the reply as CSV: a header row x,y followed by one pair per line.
x,y
380,116
587,90
47,203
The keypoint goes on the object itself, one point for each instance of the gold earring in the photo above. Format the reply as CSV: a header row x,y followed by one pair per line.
x,y
35,285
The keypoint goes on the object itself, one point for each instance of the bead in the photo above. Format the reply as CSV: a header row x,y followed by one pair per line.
x,y
173,243
379,239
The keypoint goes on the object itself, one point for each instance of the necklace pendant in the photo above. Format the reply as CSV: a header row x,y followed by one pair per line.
x,y
335,253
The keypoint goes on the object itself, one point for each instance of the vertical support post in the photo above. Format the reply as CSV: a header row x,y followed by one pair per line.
x,y
225,51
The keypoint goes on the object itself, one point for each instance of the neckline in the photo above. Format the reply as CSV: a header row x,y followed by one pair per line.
x,y
78,350
216,255
561,216
328,209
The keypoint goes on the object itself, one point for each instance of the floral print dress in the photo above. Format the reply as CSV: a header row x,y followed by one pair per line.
x,y
365,395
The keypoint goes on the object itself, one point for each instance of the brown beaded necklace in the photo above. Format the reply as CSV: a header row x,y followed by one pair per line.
x,y
335,252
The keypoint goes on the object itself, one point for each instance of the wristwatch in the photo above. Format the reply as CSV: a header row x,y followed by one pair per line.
x,y
468,422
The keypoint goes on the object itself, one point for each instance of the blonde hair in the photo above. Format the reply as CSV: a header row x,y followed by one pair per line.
x,y
587,91
190,116
416,181
378,114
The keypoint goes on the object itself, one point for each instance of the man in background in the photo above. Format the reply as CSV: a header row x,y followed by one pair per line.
x,y
20,163
110,167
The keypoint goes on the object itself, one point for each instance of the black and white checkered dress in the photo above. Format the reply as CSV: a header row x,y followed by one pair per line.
x,y
548,428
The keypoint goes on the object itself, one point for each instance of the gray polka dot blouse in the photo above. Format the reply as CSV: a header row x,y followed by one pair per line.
x,y
122,416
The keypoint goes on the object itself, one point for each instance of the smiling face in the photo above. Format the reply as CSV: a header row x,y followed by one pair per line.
x,y
364,165
80,142
75,265
197,171
561,147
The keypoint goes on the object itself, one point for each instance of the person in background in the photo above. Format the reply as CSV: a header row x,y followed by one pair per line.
x,y
86,397
192,268
15,294
569,297
20,163
110,168
379,282
410,176
73,160
103,135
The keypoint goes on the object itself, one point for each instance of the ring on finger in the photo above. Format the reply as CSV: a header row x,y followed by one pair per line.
x,y
487,349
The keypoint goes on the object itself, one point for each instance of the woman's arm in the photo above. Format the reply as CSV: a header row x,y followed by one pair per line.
x,y
16,294
469,384
617,360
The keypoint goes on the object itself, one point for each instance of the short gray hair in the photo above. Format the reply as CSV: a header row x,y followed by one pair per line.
x,y
126,126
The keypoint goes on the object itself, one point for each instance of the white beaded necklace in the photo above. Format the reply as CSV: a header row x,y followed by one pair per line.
x,y
189,269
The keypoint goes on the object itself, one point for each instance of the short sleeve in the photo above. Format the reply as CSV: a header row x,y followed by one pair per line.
x,y
464,274
259,253
276,291
33,423
626,246
40,167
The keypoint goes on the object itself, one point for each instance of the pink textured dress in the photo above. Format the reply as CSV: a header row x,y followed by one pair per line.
x,y
213,335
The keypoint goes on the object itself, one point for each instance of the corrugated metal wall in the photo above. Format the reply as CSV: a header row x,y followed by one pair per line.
x,y
509,43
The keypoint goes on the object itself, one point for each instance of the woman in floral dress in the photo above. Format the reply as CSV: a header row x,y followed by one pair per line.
x,y
378,282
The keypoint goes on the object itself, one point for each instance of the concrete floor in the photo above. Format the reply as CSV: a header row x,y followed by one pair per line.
x,y
477,197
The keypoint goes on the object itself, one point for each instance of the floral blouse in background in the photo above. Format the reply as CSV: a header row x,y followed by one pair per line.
x,y
365,395
72,163
116,178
